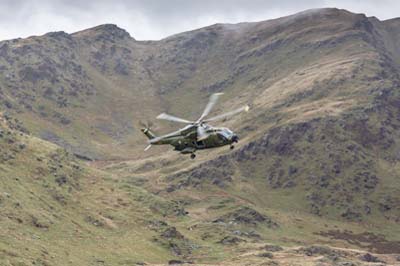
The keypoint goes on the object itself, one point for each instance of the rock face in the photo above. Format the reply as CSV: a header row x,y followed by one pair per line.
x,y
246,216
369,258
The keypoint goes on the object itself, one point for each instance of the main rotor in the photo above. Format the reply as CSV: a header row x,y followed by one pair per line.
x,y
200,123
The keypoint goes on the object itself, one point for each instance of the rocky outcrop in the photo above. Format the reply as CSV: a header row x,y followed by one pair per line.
x,y
246,216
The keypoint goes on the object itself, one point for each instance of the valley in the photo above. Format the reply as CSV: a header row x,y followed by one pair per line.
x,y
314,179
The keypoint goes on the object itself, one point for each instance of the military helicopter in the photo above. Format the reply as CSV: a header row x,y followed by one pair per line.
x,y
197,135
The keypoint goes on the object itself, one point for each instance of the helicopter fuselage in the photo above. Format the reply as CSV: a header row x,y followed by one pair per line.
x,y
185,140
197,135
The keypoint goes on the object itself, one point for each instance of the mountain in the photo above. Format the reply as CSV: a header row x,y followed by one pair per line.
x,y
317,162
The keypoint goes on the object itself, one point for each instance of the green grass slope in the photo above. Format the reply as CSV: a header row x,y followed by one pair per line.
x,y
57,211
317,161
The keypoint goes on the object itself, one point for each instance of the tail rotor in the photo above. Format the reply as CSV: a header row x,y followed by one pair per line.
x,y
146,129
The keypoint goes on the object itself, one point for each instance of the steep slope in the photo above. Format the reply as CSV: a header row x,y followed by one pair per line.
x,y
335,145
322,138
54,210
85,91
317,163
82,91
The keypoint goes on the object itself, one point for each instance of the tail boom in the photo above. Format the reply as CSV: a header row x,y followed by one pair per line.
x,y
149,134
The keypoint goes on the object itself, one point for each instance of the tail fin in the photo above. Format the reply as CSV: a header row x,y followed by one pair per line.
x,y
148,133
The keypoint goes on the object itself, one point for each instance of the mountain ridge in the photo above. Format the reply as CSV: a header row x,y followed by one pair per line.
x,y
305,13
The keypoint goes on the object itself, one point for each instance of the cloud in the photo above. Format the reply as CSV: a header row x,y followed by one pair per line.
x,y
156,19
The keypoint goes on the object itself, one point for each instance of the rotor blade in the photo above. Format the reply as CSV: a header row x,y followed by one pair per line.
x,y
173,118
218,117
213,100
201,133
148,147
172,135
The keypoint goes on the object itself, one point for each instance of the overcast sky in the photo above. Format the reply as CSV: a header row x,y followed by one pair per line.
x,y
156,19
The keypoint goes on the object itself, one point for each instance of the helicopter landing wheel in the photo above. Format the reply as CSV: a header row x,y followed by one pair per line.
x,y
192,156
232,147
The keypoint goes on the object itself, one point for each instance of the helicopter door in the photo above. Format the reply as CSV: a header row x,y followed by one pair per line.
x,y
200,144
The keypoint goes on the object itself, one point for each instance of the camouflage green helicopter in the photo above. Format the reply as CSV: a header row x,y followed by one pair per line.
x,y
197,135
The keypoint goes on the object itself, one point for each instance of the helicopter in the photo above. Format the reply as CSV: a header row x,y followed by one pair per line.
x,y
197,135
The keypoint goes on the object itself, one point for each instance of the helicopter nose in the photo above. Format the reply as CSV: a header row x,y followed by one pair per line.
x,y
235,138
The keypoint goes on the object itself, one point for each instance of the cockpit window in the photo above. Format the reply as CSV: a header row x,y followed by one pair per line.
x,y
226,133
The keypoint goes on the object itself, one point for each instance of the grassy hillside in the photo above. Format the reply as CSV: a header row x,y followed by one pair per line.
x,y
57,211
317,164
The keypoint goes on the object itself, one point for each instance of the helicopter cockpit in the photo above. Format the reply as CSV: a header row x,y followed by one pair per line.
x,y
227,134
